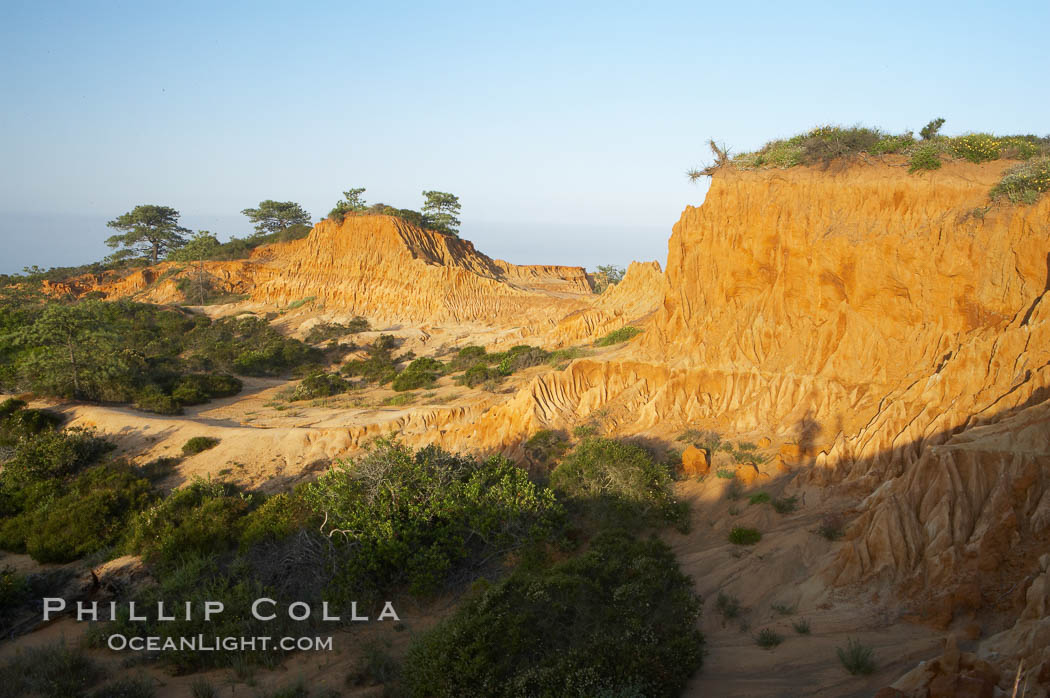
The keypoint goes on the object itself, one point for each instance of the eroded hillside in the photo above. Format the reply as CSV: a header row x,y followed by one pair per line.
x,y
883,336
391,271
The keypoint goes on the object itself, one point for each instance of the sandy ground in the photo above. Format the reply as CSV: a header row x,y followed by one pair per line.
x,y
782,570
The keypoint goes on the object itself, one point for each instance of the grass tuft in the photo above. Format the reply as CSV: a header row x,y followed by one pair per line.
x,y
785,505
744,536
857,657
618,336
728,606
767,638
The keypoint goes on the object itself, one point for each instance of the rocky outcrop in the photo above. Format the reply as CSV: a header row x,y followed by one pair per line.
x,y
630,301
393,272
896,328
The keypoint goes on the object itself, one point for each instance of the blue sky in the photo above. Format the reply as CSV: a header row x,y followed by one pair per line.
x,y
565,128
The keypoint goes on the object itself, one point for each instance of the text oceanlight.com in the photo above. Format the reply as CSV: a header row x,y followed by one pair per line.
x,y
202,643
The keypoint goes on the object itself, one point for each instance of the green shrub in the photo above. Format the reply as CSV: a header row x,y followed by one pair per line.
x,y
784,609
759,498
204,518
744,536
1024,183
156,358
412,518
618,336
466,357
204,289
52,670
33,421
619,619
929,131
198,444
11,405
14,590
421,373
888,144
275,519
56,454
619,480
380,364
801,626
975,147
89,517
925,157
399,400
707,440
476,375
1023,147
326,331
559,357
785,505
779,154
819,145
152,398
198,388
857,658
767,638
832,526
518,358
546,446
725,473
249,346
584,431
826,143
318,385
20,423
728,606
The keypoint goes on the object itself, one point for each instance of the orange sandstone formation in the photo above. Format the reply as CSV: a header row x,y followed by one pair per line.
x,y
393,272
892,327
896,328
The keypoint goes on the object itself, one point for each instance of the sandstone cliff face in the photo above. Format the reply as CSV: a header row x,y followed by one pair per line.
x,y
393,272
894,324
631,300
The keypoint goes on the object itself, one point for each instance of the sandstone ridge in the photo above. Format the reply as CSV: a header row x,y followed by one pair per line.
x,y
390,271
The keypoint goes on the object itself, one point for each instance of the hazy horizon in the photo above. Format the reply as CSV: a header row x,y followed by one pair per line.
x,y
565,131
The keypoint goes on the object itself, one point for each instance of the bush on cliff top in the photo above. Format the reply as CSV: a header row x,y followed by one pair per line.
x,y
826,143
1022,184
1025,182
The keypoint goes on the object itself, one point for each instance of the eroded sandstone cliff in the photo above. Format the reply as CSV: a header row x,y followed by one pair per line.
x,y
390,271
896,326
